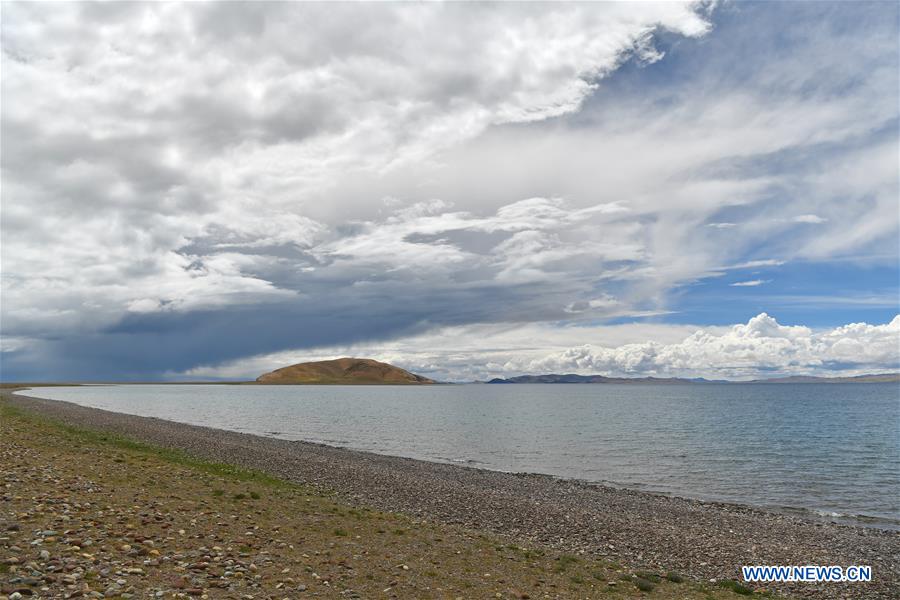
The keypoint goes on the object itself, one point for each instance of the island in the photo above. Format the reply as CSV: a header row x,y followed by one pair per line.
x,y
343,371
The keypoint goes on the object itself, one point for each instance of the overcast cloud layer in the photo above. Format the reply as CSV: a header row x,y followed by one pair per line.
x,y
208,189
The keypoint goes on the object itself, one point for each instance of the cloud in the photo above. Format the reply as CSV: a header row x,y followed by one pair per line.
x,y
422,236
605,302
812,219
760,348
750,283
457,352
754,264
192,184
187,159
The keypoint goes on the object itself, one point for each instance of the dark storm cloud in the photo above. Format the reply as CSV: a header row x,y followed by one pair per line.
x,y
148,346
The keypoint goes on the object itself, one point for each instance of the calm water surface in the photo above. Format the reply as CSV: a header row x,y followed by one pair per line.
x,y
833,449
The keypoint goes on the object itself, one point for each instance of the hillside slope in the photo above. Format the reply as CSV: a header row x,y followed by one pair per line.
x,y
343,371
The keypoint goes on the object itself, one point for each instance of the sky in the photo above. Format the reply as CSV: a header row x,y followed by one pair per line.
x,y
213,190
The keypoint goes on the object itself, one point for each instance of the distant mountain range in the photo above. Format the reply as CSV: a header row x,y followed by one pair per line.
x,y
572,378
342,371
366,371
876,378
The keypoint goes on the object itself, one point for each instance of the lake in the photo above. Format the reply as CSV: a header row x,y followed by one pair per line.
x,y
830,449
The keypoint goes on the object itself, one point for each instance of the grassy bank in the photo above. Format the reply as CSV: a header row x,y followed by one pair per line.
x,y
86,512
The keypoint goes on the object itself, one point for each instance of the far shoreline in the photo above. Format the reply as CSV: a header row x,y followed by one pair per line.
x,y
552,379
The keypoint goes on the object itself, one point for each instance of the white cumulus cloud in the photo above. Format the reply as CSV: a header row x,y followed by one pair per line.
x,y
760,348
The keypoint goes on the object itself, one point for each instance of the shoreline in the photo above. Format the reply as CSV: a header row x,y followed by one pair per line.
x,y
702,539
87,514
804,513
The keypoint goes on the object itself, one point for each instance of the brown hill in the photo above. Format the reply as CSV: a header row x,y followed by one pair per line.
x,y
343,371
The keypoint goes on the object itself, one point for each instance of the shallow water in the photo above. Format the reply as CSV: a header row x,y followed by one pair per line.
x,y
833,449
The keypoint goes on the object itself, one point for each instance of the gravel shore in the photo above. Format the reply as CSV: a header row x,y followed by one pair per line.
x,y
702,540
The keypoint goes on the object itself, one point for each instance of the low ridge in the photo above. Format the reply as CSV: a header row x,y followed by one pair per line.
x,y
343,371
